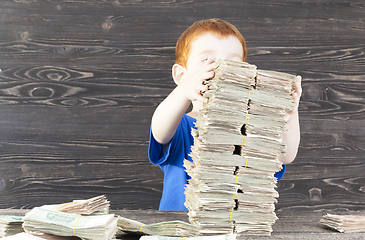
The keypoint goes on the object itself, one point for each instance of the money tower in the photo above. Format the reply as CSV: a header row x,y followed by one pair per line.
x,y
236,147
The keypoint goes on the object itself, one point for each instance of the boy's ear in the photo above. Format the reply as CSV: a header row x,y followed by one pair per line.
x,y
178,72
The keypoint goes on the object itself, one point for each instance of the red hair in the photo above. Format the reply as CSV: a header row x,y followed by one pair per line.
x,y
214,26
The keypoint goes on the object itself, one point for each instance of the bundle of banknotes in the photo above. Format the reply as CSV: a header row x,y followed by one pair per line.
x,y
344,223
96,227
10,225
95,205
236,147
169,228
85,219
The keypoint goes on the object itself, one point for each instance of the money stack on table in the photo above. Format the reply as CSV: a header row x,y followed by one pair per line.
x,y
82,218
10,225
169,228
344,223
236,147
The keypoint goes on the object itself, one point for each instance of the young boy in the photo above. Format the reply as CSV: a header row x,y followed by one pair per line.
x,y
170,138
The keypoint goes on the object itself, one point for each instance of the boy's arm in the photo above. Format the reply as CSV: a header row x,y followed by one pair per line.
x,y
291,137
168,114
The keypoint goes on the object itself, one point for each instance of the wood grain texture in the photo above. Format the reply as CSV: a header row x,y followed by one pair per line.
x,y
80,81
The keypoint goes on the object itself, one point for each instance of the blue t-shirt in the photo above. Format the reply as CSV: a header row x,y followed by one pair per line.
x,y
171,162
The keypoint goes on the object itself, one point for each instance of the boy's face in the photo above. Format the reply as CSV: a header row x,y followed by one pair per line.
x,y
207,45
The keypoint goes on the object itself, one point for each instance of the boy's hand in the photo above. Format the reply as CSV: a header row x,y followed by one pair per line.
x,y
297,92
291,137
193,82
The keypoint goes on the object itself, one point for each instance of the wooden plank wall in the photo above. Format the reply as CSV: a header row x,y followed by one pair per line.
x,y
80,80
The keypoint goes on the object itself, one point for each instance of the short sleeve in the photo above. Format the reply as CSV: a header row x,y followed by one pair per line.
x,y
279,175
156,153
177,149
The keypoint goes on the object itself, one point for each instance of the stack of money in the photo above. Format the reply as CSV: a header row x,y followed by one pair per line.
x,y
170,228
95,227
10,225
95,205
344,223
235,154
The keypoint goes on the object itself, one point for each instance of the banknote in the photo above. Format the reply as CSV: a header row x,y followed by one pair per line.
x,y
95,227
344,223
10,225
168,228
95,205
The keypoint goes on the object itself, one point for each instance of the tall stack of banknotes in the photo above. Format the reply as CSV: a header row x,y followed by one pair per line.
x,y
236,147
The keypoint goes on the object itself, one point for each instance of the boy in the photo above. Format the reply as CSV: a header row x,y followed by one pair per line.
x,y
170,138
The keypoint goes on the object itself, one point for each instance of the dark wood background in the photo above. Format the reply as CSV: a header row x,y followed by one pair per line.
x,y
81,78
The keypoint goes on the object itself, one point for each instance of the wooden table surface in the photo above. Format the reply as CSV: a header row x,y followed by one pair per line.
x,y
292,224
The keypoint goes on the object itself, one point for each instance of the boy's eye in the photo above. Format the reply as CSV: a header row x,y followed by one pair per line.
x,y
205,59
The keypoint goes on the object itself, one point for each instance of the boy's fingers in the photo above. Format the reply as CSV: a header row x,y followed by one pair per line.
x,y
203,88
298,85
200,98
210,64
296,98
208,75
210,59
